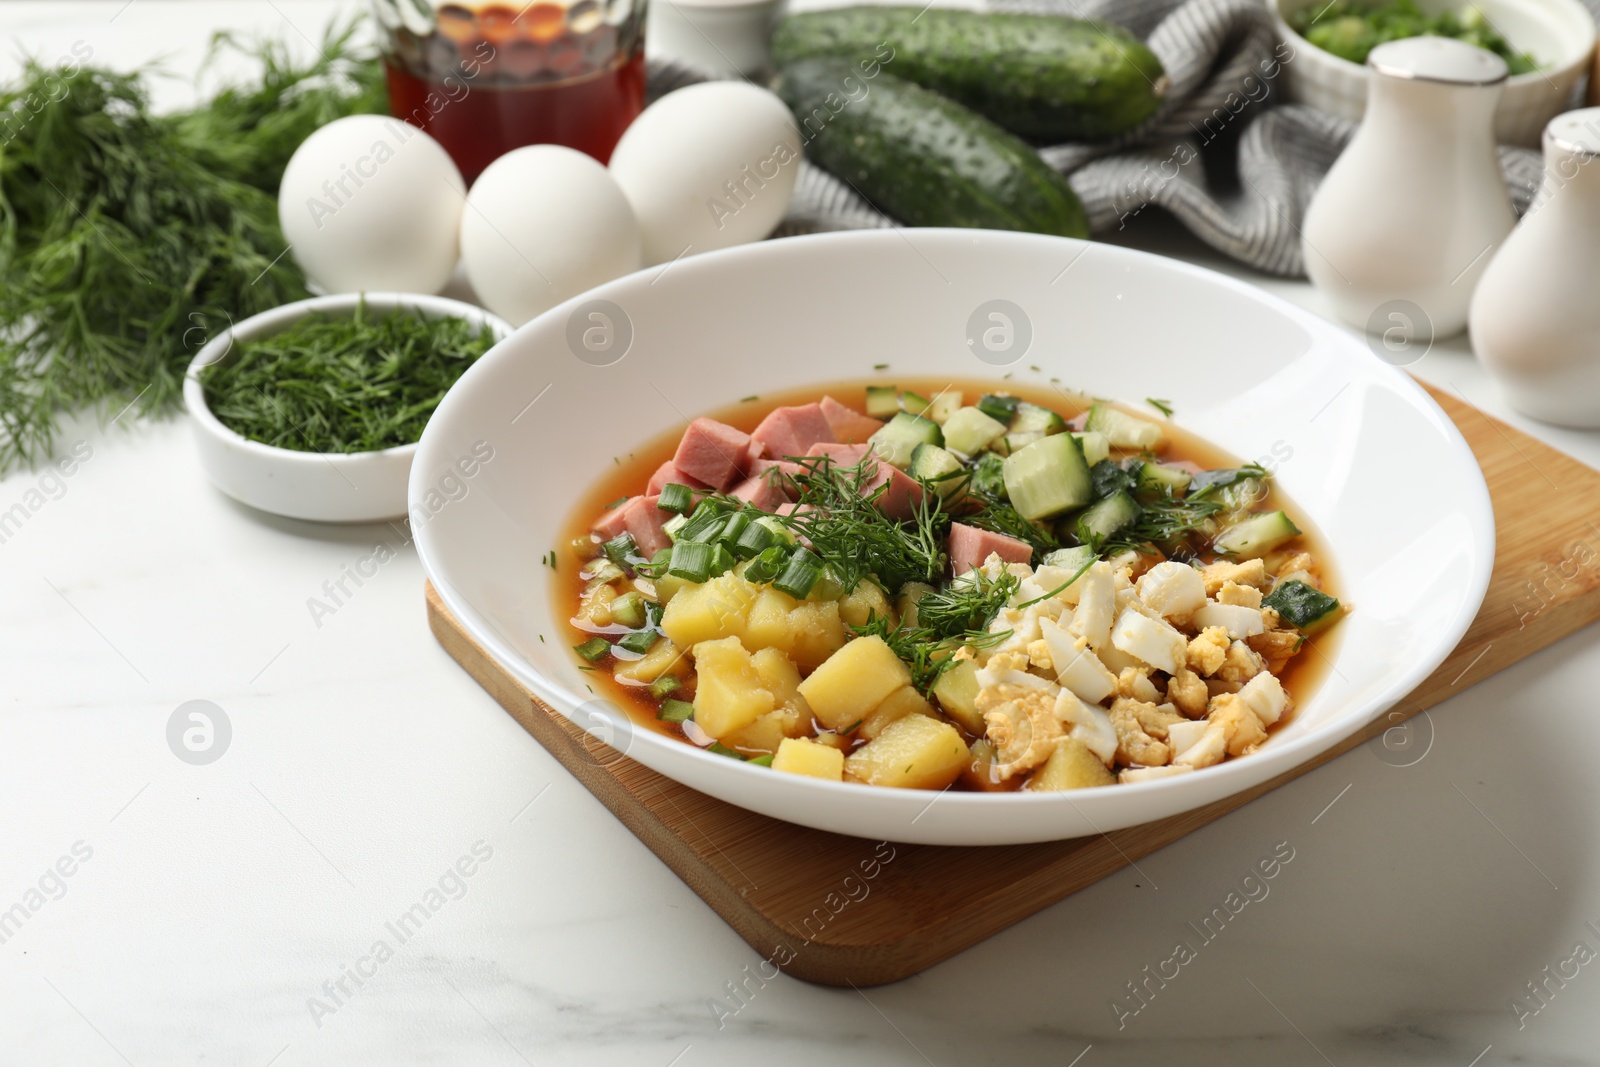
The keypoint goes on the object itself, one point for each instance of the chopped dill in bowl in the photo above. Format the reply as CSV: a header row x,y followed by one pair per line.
x,y
343,383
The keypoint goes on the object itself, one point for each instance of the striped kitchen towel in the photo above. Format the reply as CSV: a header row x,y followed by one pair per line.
x,y
1224,61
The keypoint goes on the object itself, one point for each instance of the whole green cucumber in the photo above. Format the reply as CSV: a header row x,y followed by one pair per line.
x,y
1043,77
920,157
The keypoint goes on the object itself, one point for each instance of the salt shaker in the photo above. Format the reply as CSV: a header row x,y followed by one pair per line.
x,y
1409,215
1535,320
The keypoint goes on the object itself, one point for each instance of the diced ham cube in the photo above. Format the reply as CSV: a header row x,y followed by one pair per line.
x,y
790,431
759,492
713,452
645,522
669,472
754,451
848,424
615,521
841,455
970,546
900,499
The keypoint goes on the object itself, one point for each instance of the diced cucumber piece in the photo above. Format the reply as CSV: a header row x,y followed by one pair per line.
x,y
1243,494
969,431
989,476
998,406
1301,605
1257,535
1048,477
1095,446
939,466
900,437
882,401
1106,517
915,403
1072,559
1032,417
1015,442
1160,476
1124,430
943,405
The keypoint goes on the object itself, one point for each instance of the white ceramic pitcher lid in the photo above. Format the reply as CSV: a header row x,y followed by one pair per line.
x,y
1575,133
1438,59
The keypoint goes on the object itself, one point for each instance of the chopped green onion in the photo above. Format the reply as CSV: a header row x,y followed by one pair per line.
x,y
691,560
723,750
607,572
652,613
667,683
760,761
799,574
673,526
628,610
756,538
997,407
639,642
736,525
656,567
721,561
675,497
594,649
765,566
619,548
675,711
706,522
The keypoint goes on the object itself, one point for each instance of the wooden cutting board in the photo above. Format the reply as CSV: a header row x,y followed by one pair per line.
x,y
845,911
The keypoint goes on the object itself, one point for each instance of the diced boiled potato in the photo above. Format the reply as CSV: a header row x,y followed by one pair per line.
x,y
796,755
808,632
914,753
842,742
595,607
858,606
778,674
853,681
669,586
957,693
729,693
979,771
709,612
911,595
767,732
1070,766
897,705
664,657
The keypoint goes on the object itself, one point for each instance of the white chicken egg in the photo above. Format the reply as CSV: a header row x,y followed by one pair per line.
x,y
371,203
708,166
542,224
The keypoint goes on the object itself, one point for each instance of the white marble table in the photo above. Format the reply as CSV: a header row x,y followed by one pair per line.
x,y
212,911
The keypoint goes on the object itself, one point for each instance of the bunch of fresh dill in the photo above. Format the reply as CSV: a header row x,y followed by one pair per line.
x,y
356,384
128,239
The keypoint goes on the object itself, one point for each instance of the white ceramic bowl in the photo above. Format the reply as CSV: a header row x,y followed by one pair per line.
x,y
1247,371
1558,33
320,486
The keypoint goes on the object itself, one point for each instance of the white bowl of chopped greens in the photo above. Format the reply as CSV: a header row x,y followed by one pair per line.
x,y
1547,44
313,410
581,396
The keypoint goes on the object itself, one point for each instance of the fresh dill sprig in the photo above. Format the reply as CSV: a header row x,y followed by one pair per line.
x,y
998,516
1163,406
128,239
967,604
838,513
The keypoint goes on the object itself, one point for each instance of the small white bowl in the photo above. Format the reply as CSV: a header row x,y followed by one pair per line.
x,y
320,486
1558,33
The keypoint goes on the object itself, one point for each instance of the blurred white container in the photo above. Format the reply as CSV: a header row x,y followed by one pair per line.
x,y
1408,216
1560,34
718,36
1535,321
